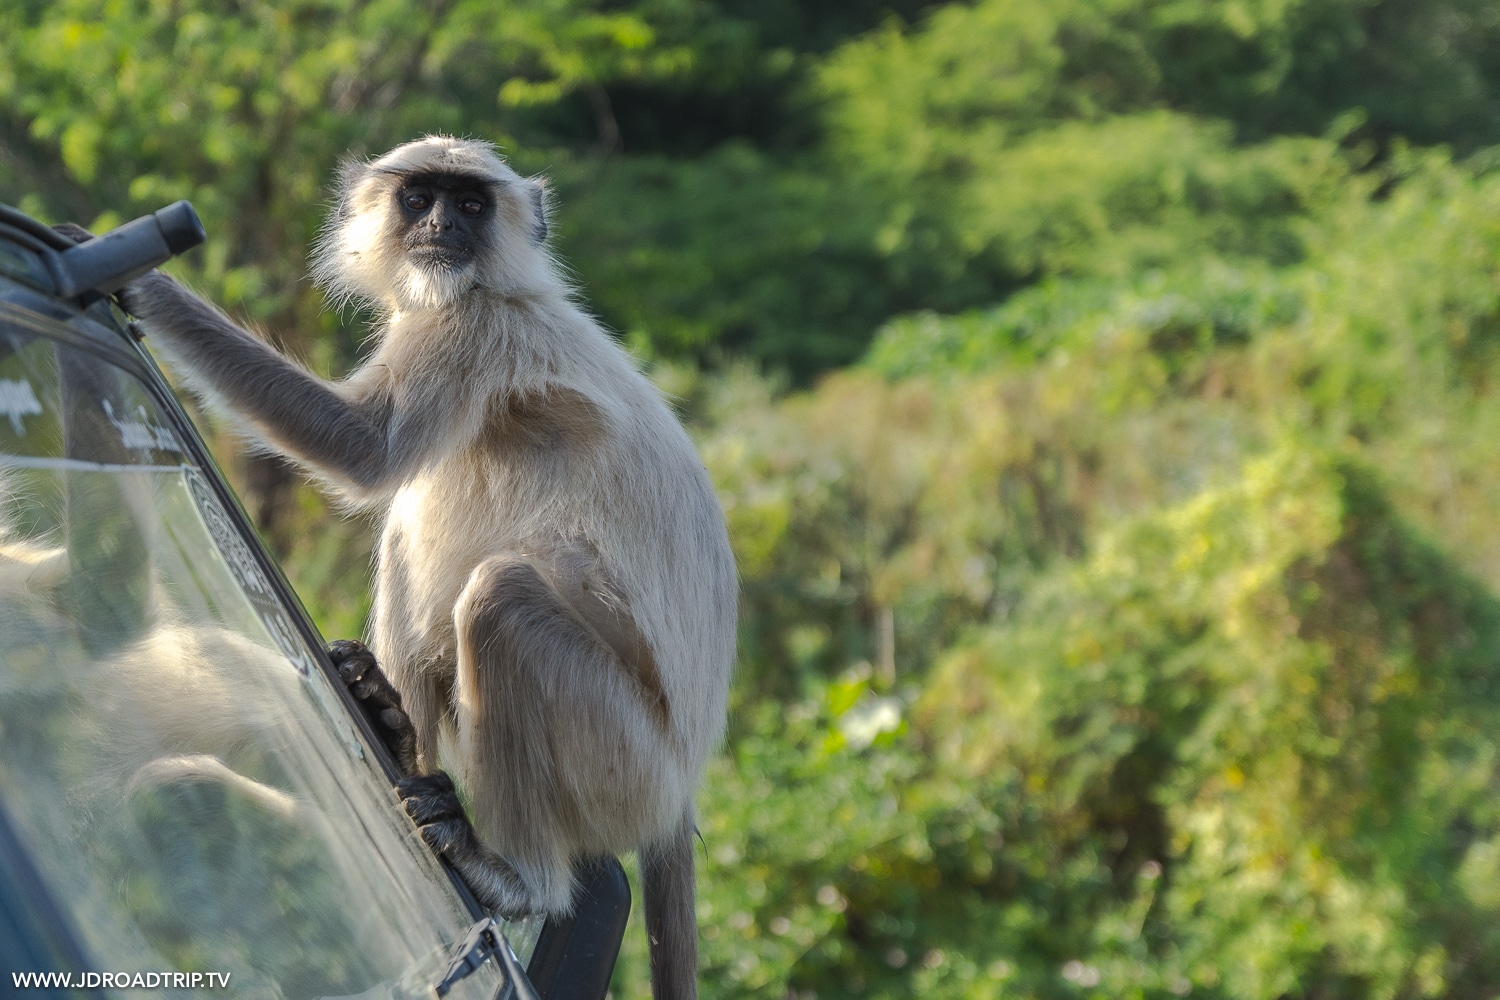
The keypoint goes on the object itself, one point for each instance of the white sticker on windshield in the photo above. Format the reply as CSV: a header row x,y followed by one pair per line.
x,y
17,400
142,434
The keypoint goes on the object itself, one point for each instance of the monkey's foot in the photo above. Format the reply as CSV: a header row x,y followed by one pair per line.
x,y
433,804
378,698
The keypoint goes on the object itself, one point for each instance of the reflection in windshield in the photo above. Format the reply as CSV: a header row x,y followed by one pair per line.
x,y
192,789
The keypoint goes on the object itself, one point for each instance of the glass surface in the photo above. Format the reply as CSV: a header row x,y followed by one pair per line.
x,y
182,771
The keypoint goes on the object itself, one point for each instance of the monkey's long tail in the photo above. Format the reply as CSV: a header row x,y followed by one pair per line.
x,y
671,921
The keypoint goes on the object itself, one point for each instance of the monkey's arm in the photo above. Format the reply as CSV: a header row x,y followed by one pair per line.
x,y
345,435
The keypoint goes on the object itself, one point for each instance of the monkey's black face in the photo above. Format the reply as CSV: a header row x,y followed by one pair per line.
x,y
446,219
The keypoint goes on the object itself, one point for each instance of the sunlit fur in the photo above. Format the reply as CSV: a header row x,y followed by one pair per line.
x,y
555,594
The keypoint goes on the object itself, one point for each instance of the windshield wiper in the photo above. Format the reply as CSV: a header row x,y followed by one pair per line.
x,y
485,941
437,974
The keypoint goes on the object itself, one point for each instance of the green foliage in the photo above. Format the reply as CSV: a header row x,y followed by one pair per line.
x,y
1190,638
1009,67
940,166
1028,140
1184,312
1275,700
1245,747
1420,69
1018,140
245,110
658,242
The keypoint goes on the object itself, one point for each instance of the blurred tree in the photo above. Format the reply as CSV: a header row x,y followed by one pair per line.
x,y
878,157
743,79
246,109
1189,696
676,258
1424,70
1010,141
1266,716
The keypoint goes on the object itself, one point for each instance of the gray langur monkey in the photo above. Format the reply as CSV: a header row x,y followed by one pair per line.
x,y
555,595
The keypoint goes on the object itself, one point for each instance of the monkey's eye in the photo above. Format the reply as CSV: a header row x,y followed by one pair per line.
x,y
470,204
417,201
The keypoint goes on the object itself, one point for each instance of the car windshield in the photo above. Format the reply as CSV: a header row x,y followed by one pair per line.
x,y
184,774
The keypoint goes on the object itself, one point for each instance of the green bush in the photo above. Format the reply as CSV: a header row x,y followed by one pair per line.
x,y
1246,747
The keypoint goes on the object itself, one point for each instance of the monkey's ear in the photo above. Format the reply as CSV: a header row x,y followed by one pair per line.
x,y
351,170
539,198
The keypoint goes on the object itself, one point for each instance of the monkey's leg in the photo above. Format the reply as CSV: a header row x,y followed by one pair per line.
x,y
427,698
563,752
379,700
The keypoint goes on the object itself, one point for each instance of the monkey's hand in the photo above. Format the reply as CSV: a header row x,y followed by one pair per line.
x,y
129,297
433,804
379,700
151,295
132,295
74,232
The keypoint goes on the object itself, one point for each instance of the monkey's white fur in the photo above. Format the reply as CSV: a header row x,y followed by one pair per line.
x,y
554,585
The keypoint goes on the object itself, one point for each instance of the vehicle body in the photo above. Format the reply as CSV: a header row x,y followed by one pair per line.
x,y
185,786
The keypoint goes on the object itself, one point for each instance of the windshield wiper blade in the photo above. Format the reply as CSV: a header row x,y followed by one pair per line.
x,y
485,941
